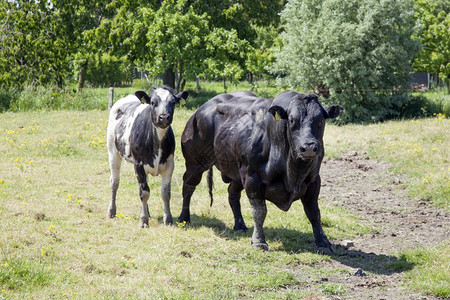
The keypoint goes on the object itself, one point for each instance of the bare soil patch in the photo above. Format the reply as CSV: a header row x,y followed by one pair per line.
x,y
369,190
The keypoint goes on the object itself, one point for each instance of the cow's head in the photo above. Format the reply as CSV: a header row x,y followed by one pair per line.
x,y
305,122
162,102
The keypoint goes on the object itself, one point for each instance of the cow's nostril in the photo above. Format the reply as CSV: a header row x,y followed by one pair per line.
x,y
164,118
316,149
302,150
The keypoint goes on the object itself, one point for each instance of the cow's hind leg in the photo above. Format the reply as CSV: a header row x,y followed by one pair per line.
x,y
165,192
115,161
311,207
234,197
144,194
191,179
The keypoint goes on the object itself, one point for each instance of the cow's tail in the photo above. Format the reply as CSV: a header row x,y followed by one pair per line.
x,y
210,184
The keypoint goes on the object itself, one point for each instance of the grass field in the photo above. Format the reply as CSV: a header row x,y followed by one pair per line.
x,y
56,241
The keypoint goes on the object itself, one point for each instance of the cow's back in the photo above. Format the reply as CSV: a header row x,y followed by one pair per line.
x,y
121,118
224,127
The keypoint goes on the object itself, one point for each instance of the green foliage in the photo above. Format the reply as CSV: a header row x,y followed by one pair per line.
x,y
224,51
353,47
108,70
6,97
426,104
369,107
175,39
33,46
434,35
41,98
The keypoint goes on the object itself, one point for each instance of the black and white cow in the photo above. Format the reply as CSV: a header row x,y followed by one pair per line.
x,y
272,148
139,131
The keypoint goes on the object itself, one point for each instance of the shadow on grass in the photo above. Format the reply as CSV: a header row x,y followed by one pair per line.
x,y
294,241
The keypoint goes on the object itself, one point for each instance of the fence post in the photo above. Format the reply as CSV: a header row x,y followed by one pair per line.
x,y
110,98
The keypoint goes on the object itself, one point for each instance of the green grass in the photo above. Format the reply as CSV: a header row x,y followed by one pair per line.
x,y
417,148
54,194
432,269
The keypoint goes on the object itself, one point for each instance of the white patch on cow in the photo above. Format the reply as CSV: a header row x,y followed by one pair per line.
x,y
260,115
157,168
161,133
163,94
129,124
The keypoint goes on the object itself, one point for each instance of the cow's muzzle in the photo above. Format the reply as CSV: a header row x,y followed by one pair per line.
x,y
164,120
309,150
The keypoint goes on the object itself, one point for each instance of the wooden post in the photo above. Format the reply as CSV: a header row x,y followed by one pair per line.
x,y
110,98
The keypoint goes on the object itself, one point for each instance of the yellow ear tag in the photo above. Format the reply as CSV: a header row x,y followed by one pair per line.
x,y
277,116
182,102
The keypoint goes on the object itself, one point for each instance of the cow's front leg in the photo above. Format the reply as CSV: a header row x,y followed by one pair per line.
x,y
255,193
259,212
165,191
144,194
312,211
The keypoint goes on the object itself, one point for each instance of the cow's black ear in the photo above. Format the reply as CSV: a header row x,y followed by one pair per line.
x,y
181,97
143,96
278,113
333,111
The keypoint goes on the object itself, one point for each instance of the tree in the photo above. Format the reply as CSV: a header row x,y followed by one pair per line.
x,y
224,51
186,38
33,45
86,25
434,35
167,38
252,24
359,51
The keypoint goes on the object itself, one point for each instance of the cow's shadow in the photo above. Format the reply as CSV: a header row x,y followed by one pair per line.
x,y
294,242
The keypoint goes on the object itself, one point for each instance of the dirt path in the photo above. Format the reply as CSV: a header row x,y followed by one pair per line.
x,y
370,191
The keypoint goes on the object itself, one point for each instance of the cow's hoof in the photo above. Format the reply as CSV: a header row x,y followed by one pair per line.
x,y
260,246
184,220
168,220
111,213
324,250
143,224
240,227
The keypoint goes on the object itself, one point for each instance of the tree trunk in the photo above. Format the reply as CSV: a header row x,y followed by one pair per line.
x,y
225,84
82,75
179,81
169,78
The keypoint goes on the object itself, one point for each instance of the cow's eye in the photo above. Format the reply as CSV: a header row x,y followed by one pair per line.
x,y
152,103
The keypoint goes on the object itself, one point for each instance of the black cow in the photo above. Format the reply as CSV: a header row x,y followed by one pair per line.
x,y
141,134
272,148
